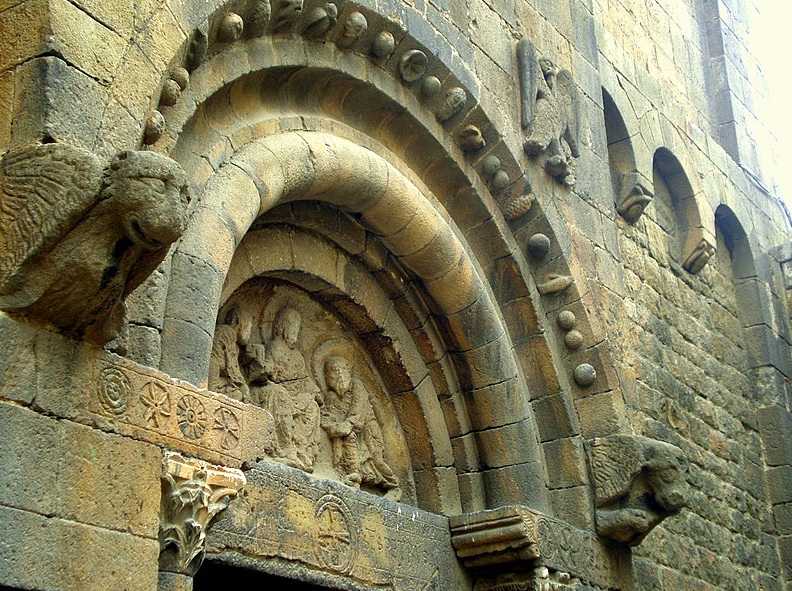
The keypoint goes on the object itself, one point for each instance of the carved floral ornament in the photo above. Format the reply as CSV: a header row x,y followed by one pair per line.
x,y
193,495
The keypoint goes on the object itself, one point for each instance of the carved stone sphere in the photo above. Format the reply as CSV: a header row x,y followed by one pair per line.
x,y
573,339
384,44
490,165
538,246
566,319
585,374
430,86
500,181
181,77
230,28
170,93
155,127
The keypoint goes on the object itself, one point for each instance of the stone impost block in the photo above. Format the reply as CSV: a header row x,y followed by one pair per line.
x,y
108,392
515,538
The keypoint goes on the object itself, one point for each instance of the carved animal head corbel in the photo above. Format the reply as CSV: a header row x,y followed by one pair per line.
x,y
77,237
638,482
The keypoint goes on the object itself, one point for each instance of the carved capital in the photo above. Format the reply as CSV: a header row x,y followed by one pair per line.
x,y
193,494
538,579
638,482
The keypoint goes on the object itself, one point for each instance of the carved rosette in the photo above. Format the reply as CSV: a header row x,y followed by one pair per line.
x,y
193,494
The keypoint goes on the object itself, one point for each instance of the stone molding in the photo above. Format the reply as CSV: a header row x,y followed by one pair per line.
x,y
99,389
515,547
193,494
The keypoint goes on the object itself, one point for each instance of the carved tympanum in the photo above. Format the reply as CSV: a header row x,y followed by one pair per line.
x,y
550,114
76,237
638,483
193,494
301,366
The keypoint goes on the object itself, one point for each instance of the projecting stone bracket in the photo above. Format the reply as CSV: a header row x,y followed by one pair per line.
x,y
193,495
638,482
516,548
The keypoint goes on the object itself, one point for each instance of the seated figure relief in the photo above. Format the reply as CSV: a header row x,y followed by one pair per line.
x,y
279,383
278,349
349,421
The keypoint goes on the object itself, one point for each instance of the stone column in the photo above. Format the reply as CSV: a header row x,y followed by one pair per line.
x,y
193,495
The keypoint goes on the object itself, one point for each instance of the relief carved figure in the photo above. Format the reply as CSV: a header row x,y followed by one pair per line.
x,y
77,237
549,112
280,383
350,423
638,483
228,348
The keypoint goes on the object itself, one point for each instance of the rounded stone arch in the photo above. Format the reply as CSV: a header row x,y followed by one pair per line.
x,y
316,166
694,242
222,101
737,243
628,160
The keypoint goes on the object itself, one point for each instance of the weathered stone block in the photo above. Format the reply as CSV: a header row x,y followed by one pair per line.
x,y
507,445
295,524
556,417
55,100
568,459
522,483
775,424
51,554
779,484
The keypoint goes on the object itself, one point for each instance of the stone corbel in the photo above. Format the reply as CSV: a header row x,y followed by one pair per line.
x,y
635,194
699,249
79,234
193,495
638,482
515,548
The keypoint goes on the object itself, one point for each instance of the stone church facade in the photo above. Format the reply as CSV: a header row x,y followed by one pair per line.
x,y
390,295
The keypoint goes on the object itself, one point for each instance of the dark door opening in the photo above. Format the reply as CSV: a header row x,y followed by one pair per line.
x,y
217,576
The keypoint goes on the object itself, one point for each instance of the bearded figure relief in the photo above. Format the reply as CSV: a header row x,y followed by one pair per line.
x,y
77,236
355,435
279,383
